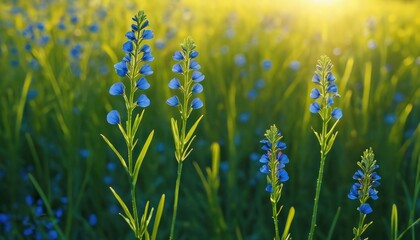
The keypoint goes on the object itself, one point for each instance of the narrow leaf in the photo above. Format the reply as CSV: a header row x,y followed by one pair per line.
x,y
289,220
137,121
127,221
124,207
158,216
116,152
334,222
141,156
175,132
394,222
192,130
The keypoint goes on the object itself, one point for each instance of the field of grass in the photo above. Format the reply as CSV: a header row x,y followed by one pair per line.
x,y
56,67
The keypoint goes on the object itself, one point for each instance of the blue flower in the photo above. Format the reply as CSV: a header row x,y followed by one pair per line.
x,y
146,70
128,46
269,188
173,101
265,169
315,93
92,219
193,54
314,107
266,64
113,117
316,78
330,77
174,83
143,101
142,84
194,65
196,103
134,27
130,36
282,175
197,76
365,208
354,191
145,48
332,88
117,89
94,28
147,57
197,88
127,58
177,68
240,60
264,159
147,34
178,56
121,68
336,113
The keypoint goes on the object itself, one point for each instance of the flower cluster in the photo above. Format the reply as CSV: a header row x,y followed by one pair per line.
x,y
191,83
326,92
274,159
130,66
367,180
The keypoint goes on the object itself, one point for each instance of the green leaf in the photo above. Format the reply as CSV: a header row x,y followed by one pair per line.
x,y
137,121
394,222
141,156
124,207
334,222
317,135
158,216
128,222
175,132
116,152
192,130
203,178
289,220
331,142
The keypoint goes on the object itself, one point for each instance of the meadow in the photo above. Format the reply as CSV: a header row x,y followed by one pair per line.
x,y
258,57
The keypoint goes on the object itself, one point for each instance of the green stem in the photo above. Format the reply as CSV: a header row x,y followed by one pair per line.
x,y
177,184
319,180
359,232
275,220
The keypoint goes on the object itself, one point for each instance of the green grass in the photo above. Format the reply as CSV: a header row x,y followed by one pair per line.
x,y
46,134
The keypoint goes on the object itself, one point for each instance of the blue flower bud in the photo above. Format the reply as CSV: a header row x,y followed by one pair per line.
x,y
196,103
314,107
142,84
143,101
113,117
146,70
173,101
117,89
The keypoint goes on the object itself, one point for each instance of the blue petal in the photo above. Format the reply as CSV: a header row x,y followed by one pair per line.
x,y
316,78
127,57
117,89
174,83
336,113
146,70
173,101
282,175
330,77
147,57
264,159
281,145
266,64
130,36
315,93
128,46
121,68
113,117
194,65
147,34
330,102
177,68
196,103
332,88
283,158
193,54
265,169
373,193
365,208
145,24
134,27
197,88
142,84
269,188
145,48
314,107
358,175
143,101
178,56
197,76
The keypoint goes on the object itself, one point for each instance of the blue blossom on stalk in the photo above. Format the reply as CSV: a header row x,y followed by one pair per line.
x,y
186,66
364,188
323,96
274,161
134,72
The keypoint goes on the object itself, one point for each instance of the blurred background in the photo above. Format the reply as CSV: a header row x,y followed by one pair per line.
x,y
56,67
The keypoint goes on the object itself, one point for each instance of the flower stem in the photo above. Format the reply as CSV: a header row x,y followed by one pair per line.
x,y
177,184
275,220
319,180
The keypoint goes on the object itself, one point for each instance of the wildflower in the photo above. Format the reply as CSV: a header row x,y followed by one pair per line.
x,y
173,101
367,180
196,103
266,64
143,101
142,84
240,60
174,83
121,68
113,117
117,89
